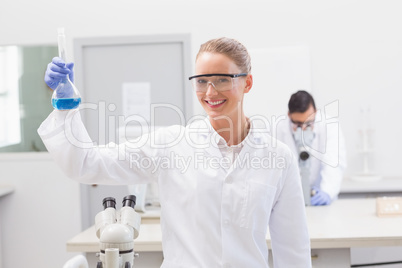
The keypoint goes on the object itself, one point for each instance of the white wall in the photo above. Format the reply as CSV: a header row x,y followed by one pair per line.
x,y
355,48
40,215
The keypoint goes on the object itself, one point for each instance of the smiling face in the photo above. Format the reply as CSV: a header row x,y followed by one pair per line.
x,y
226,103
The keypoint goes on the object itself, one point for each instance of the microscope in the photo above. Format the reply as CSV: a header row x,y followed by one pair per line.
x,y
116,231
303,139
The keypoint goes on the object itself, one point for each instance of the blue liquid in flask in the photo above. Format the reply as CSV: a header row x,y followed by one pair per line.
x,y
66,95
66,104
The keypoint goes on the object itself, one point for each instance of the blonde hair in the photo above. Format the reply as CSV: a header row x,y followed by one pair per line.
x,y
231,48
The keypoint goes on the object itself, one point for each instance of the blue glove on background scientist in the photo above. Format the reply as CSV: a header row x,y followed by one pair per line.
x,y
325,177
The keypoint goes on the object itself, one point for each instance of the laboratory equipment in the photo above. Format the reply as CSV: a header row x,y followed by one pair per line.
x,y
66,96
303,140
366,147
78,261
389,206
140,191
116,231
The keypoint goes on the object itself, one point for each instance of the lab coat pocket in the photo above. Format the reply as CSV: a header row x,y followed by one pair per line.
x,y
257,206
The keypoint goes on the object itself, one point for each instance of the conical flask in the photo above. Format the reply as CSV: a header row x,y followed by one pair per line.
x,y
66,96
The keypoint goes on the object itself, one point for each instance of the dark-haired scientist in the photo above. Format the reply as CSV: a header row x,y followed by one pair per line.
x,y
323,141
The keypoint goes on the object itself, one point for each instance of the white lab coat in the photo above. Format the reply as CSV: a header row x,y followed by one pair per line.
x,y
211,216
328,152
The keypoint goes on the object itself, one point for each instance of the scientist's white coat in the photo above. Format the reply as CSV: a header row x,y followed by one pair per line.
x,y
328,153
213,213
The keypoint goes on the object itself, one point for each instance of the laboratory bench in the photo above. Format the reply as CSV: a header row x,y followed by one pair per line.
x,y
334,230
387,186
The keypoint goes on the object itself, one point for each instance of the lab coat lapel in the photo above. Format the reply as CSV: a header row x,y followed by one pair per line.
x,y
253,139
236,165
207,137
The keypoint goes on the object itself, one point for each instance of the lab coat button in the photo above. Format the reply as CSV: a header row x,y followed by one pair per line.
x,y
226,223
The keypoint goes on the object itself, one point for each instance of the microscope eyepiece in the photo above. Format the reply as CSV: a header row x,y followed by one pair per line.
x,y
129,200
304,155
109,202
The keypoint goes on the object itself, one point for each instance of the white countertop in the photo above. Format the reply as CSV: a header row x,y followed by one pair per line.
x,y
6,189
386,184
344,224
352,223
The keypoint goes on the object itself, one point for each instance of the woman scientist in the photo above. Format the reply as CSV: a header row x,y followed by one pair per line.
x,y
215,213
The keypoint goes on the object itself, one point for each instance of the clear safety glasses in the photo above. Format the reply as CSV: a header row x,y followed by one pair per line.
x,y
221,82
302,125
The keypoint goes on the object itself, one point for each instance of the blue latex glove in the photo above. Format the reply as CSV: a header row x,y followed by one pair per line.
x,y
320,198
58,70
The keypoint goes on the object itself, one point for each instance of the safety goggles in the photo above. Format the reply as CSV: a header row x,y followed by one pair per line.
x,y
302,125
221,82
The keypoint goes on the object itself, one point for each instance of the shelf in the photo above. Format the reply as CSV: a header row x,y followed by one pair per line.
x,y
386,184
